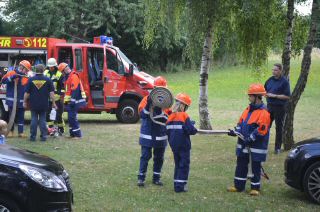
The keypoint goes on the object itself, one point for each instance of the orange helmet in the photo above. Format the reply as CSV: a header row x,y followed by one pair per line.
x,y
62,66
184,98
160,82
257,89
26,64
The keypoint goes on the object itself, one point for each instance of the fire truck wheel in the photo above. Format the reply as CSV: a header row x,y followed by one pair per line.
x,y
128,111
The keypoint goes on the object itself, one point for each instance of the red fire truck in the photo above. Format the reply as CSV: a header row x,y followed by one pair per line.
x,y
111,81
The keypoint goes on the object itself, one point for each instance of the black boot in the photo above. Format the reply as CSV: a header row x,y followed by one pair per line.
x,y
140,183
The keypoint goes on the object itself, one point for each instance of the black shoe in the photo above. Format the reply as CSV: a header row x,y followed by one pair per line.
x,y
179,190
157,182
140,183
277,151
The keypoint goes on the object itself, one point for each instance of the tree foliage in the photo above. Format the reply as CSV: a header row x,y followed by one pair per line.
x,y
121,19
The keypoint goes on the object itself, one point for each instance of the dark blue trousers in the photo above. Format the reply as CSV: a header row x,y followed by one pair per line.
x,y
158,157
38,118
181,168
74,126
19,119
240,178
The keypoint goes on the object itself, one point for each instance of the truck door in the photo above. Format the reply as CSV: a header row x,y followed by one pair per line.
x,y
114,79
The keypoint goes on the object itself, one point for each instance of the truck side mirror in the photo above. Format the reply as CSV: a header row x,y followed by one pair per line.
x,y
130,70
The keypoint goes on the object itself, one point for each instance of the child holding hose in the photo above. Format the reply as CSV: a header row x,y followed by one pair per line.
x,y
179,129
254,125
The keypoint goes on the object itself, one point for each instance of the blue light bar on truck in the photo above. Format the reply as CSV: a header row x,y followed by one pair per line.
x,y
103,39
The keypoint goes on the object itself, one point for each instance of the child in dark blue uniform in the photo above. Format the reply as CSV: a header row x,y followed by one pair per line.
x,y
153,138
254,125
179,129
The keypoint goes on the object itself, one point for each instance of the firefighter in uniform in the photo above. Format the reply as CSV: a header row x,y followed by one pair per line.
x,y
254,125
9,79
152,137
74,99
179,129
57,79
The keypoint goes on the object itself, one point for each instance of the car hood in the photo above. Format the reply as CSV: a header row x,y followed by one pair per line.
x,y
309,142
20,156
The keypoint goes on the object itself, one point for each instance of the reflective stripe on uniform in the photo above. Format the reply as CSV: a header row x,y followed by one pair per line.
x,y
157,173
180,181
255,183
254,150
77,101
175,127
146,136
259,151
162,138
145,111
76,130
239,178
162,115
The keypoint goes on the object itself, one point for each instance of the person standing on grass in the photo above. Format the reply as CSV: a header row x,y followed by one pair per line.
x,y
74,99
254,126
179,129
38,91
20,76
152,137
278,94
57,80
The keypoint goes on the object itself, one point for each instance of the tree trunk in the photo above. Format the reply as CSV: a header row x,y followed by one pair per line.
x,y
204,70
302,81
286,54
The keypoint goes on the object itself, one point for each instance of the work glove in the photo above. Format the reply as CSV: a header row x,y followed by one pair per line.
x,y
247,141
232,133
193,122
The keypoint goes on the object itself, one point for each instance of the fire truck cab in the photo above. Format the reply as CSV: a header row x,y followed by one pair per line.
x,y
111,81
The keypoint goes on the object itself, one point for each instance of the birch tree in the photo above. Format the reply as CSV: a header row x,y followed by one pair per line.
x,y
288,138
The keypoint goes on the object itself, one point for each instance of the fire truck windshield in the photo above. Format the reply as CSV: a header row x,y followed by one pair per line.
x,y
126,60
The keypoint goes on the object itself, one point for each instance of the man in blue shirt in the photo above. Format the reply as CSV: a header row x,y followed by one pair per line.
x,y
38,91
278,94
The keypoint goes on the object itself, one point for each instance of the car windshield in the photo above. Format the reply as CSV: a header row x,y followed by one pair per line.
x,y
126,60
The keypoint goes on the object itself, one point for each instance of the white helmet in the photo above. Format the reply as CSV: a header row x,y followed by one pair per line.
x,y
52,62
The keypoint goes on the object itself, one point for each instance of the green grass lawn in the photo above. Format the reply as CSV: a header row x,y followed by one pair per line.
x,y
103,166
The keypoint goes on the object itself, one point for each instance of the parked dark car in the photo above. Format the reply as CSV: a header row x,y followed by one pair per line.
x,y
302,168
32,182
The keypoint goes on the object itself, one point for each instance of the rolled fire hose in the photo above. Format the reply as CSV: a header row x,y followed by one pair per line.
x,y
160,97
13,112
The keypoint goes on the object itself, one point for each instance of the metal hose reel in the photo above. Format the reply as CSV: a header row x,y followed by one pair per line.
x,y
161,97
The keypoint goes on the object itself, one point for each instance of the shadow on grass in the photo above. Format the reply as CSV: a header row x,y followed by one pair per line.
x,y
297,195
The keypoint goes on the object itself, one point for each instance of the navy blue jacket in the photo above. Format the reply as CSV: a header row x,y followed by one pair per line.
x,y
179,129
9,80
39,88
152,134
254,125
279,86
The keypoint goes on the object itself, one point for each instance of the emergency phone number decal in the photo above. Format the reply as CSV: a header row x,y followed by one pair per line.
x,y
21,42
